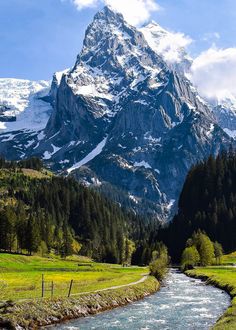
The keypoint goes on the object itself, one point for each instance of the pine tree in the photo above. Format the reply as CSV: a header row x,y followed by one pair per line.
x,y
32,235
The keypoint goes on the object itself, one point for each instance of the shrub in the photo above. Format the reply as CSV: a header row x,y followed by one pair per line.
x,y
159,264
190,258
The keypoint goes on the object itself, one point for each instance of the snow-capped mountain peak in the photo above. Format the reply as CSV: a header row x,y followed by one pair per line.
x,y
111,44
115,55
171,46
155,28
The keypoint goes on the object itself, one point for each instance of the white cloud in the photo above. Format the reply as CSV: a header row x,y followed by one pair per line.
x,y
211,36
214,73
170,46
81,4
134,11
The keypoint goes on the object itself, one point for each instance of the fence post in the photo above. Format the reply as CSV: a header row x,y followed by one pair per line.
x,y
71,283
42,285
52,289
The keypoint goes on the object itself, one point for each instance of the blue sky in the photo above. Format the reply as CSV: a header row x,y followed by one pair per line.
x,y
39,37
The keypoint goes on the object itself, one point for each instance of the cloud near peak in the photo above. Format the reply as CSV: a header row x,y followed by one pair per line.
x,y
81,4
214,73
134,11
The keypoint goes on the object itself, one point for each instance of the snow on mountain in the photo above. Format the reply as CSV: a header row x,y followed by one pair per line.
x,y
171,46
24,113
225,112
21,104
142,164
94,153
59,74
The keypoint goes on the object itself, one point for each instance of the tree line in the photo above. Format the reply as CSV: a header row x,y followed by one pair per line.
x,y
31,163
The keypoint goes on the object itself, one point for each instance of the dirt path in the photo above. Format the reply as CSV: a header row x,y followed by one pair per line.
x,y
114,287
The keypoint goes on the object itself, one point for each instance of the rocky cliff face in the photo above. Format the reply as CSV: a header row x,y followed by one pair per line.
x,y
225,113
124,117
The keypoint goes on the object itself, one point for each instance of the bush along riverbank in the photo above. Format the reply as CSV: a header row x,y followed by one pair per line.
x,y
39,313
225,279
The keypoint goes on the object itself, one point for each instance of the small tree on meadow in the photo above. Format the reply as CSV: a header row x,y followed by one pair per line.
x,y
158,266
218,251
129,250
190,258
205,248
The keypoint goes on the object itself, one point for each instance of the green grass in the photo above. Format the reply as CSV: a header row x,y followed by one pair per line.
x,y
225,278
20,276
44,174
229,258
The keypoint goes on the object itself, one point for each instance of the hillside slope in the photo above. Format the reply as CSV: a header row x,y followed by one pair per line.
x,y
43,212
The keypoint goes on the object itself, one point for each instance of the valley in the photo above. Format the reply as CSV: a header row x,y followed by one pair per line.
x,y
117,174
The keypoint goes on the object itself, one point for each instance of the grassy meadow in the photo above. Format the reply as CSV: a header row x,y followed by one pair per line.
x,y
229,259
21,276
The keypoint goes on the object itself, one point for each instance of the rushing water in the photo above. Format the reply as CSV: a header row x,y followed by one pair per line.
x,y
182,303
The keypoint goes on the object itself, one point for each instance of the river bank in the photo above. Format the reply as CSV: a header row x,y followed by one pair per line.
x,y
181,303
39,313
225,279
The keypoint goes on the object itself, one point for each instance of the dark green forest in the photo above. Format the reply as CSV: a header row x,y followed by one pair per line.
x,y
208,203
43,212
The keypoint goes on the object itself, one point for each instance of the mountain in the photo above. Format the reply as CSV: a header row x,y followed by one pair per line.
x,y
24,113
22,105
172,48
125,119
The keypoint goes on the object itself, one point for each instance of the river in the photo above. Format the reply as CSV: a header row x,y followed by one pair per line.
x,y
182,303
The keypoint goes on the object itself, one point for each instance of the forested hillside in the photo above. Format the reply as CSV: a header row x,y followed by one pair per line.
x,y
43,212
207,202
